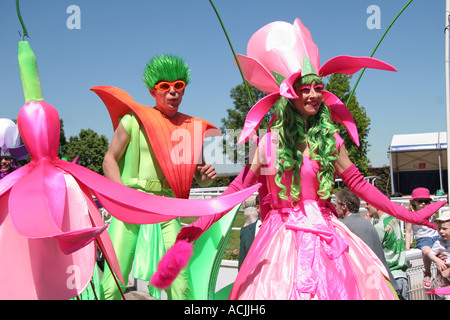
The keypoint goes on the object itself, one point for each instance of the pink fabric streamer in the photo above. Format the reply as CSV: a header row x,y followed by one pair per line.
x,y
175,259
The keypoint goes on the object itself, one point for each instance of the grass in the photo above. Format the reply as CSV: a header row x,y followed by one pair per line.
x,y
234,241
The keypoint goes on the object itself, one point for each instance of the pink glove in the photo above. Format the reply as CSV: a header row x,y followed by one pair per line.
x,y
370,194
245,179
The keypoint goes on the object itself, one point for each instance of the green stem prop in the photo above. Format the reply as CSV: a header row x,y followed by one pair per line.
x,y
25,32
234,54
28,66
376,47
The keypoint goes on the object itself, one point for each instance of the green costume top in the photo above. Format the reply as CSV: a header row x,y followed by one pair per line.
x,y
388,229
139,167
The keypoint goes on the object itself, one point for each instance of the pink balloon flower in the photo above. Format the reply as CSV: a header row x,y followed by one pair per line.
x,y
49,220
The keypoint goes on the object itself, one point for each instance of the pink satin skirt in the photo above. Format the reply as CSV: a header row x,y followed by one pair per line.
x,y
307,253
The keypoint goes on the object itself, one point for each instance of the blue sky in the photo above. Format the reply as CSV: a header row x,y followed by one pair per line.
x,y
117,38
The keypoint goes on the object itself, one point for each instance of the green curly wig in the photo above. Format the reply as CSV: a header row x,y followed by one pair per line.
x,y
320,136
165,67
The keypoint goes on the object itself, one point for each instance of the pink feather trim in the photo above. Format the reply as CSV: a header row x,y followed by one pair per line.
x,y
175,259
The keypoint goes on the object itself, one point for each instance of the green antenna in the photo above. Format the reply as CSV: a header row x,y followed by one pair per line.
x,y
234,54
376,47
25,32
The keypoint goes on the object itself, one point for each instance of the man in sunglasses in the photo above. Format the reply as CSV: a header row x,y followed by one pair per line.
x,y
159,151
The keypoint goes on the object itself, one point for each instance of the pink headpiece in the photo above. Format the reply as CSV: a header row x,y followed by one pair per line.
x,y
280,53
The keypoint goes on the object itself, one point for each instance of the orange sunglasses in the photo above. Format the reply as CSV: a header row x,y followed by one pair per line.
x,y
166,85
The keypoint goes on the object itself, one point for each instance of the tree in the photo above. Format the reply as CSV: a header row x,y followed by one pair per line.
x,y
62,138
90,147
339,84
233,124
241,102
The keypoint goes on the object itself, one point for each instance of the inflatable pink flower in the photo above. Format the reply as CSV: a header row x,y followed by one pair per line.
x,y
280,53
49,220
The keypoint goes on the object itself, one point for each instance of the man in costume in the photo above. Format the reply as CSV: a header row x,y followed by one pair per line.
x,y
158,151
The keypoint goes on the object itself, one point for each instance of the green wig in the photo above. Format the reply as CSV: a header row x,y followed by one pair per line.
x,y
320,137
165,67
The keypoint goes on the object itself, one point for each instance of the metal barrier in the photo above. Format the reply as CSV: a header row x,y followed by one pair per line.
x,y
415,277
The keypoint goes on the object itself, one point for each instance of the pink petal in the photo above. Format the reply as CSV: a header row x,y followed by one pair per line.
x,y
37,217
8,181
350,65
277,47
257,75
39,127
309,47
255,116
37,269
287,86
340,113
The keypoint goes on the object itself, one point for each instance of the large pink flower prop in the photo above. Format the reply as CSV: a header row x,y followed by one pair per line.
x,y
280,53
48,218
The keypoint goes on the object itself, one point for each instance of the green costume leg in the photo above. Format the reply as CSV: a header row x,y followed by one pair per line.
x,y
124,237
180,286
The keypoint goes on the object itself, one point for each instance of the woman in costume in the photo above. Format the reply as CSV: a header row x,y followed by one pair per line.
x,y
302,250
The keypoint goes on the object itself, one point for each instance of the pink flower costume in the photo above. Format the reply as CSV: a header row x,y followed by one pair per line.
x,y
49,220
302,251
305,252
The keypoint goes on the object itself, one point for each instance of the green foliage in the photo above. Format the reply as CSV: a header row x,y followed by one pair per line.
x,y
90,147
383,181
236,117
339,84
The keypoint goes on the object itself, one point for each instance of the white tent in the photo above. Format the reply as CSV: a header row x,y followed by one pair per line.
x,y
418,160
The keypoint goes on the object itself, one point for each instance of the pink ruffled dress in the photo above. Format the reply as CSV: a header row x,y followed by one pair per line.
x,y
305,252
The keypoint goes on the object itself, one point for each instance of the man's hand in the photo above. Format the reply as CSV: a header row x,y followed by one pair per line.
x,y
205,174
